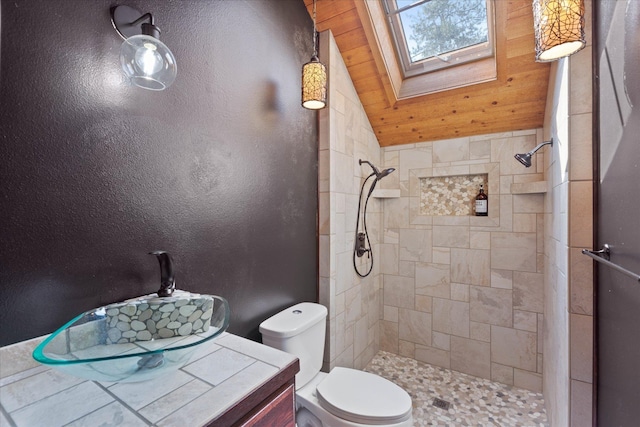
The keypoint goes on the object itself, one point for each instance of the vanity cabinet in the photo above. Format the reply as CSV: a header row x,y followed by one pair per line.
x,y
271,405
276,411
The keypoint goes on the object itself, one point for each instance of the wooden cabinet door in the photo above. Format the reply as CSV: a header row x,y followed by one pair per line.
x,y
279,411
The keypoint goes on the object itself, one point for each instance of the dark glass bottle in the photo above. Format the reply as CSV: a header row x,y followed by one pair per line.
x,y
482,203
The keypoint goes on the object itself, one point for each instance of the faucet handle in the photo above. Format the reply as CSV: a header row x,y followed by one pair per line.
x,y
167,280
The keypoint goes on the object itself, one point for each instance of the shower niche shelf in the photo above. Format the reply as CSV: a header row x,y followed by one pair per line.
x,y
452,195
536,187
383,193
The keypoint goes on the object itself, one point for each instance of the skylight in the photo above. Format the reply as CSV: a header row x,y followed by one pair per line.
x,y
435,34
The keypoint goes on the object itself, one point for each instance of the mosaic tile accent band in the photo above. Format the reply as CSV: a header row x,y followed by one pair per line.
x,y
450,195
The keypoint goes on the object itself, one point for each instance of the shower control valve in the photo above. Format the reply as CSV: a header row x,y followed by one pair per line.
x,y
360,245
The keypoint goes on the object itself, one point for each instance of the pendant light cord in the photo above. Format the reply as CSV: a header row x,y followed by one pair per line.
x,y
315,34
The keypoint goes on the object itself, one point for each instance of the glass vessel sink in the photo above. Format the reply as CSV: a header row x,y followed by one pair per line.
x,y
135,340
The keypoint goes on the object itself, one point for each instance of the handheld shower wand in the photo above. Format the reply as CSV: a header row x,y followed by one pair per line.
x,y
362,237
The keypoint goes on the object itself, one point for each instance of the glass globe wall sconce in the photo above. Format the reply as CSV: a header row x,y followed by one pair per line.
x,y
559,28
314,77
145,60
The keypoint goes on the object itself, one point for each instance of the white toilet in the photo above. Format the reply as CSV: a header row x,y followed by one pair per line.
x,y
342,398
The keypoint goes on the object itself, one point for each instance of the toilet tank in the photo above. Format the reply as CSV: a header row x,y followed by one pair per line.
x,y
300,331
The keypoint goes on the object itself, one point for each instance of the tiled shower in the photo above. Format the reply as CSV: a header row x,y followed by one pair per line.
x,y
464,292
455,291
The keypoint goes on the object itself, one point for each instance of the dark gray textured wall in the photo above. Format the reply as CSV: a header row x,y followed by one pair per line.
x,y
220,169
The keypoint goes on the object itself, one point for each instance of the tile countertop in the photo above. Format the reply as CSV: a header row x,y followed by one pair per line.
x,y
220,375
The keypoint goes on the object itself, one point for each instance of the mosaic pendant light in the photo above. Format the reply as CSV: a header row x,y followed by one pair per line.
x,y
559,28
314,76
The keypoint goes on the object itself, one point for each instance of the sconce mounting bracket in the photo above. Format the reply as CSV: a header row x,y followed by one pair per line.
x,y
128,21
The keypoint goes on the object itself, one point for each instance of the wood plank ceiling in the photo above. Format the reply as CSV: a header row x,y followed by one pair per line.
x,y
514,101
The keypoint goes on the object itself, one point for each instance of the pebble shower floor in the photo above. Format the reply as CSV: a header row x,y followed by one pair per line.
x,y
473,401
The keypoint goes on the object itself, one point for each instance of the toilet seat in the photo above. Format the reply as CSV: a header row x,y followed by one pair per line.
x,y
364,398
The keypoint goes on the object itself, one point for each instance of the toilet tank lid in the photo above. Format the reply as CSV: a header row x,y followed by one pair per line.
x,y
293,320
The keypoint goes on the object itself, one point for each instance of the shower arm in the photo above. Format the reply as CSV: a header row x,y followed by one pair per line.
x,y
375,169
539,146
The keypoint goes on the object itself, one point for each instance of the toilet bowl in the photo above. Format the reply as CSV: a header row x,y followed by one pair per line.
x,y
343,397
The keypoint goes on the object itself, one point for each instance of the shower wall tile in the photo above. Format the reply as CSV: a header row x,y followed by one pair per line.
x,y
508,148
396,214
581,403
505,208
581,162
501,373
470,266
424,303
528,291
407,349
442,255
353,305
581,283
480,240
513,251
512,347
528,380
407,268
389,336
361,336
388,258
528,203
525,320
451,150
390,313
581,224
451,220
502,279
460,292
414,326
581,82
415,245
441,341
491,305
413,159
451,236
480,331
432,280
471,357
433,356
354,326
398,291
524,222
480,150
477,281
451,317
505,184
581,347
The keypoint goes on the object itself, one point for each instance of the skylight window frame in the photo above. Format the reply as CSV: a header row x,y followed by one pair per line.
x,y
454,58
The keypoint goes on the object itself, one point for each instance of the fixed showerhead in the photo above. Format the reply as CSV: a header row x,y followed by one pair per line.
x,y
525,158
379,175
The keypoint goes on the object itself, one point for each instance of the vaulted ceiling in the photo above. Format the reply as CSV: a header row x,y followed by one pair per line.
x,y
514,101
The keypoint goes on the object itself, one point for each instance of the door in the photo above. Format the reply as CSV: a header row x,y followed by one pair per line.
x,y
617,41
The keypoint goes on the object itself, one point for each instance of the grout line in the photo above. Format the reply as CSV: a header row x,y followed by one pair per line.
x,y
123,403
